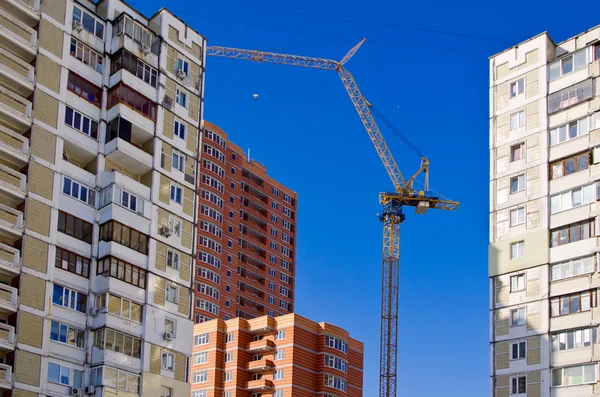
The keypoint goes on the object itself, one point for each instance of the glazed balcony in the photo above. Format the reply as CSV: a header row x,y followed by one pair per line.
x,y
17,75
11,224
6,379
10,260
17,36
7,337
261,366
15,111
28,11
9,299
14,147
13,185
129,146
260,385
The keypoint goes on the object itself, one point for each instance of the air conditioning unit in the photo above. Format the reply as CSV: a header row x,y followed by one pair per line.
x,y
168,102
181,73
145,49
75,391
90,390
77,26
168,336
165,231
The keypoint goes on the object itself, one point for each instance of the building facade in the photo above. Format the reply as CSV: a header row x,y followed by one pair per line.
x,y
544,192
246,236
100,117
283,356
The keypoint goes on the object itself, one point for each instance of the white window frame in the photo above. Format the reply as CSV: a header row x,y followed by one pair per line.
x,y
517,216
517,120
181,96
521,183
174,327
200,358
586,264
201,339
520,147
179,129
512,391
70,182
279,355
228,376
178,164
279,335
173,193
517,249
521,320
97,23
515,284
200,376
173,259
278,374
519,87
565,201
175,224
229,337
521,350
169,294
183,65
167,361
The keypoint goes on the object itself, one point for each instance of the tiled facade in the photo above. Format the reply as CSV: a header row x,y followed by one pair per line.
x,y
282,356
100,120
246,235
544,207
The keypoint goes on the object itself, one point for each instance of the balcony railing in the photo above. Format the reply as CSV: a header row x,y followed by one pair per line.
x,y
12,179
16,67
14,103
13,141
11,217
260,384
260,365
10,256
6,379
9,295
261,345
7,334
17,29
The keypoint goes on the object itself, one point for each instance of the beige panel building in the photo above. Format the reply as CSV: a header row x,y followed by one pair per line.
x,y
100,113
544,193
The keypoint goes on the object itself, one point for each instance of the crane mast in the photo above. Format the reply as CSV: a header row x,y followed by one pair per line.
x,y
392,215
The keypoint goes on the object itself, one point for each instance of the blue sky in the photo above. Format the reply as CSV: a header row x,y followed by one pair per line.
x,y
304,128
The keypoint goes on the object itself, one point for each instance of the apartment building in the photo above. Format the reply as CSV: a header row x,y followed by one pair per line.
x,y
100,114
283,356
544,208
246,235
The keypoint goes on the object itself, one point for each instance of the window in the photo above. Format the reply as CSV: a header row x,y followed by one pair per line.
x,y
332,361
271,300
517,87
517,250
284,291
62,333
570,96
137,32
208,306
201,358
210,181
517,283
572,268
517,183
228,357
228,288
81,123
279,354
213,136
75,227
115,379
64,375
122,234
336,343
334,381
280,334
212,213
517,120
176,193
572,233
517,217
284,305
65,297
118,342
256,376
518,350
78,191
209,165
209,259
121,270
229,338
272,286
279,393
211,151
271,313
134,65
86,55
273,245
278,374
183,66
171,293
211,228
286,265
518,385
574,303
207,290
88,22
273,259
121,93
173,259
227,303
181,98
272,273
121,307
115,194
516,152
517,317
568,64
574,339
84,89
208,274
577,375
569,165
167,392
200,377
209,243
274,218
228,376
179,129
72,262
275,205
201,339
166,361
201,393
572,199
233,156
572,130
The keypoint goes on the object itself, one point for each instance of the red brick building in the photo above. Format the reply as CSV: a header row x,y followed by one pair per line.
x,y
246,236
281,357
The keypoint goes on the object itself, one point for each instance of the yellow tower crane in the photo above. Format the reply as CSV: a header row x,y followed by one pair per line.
x,y
392,216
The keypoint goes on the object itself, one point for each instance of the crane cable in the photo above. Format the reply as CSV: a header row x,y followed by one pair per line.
x,y
397,132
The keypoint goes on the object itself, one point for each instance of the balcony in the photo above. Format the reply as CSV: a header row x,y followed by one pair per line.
x,y
263,345
17,37
129,146
17,75
6,381
261,385
263,365
11,224
13,186
28,11
10,259
14,147
15,111
7,337
9,299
